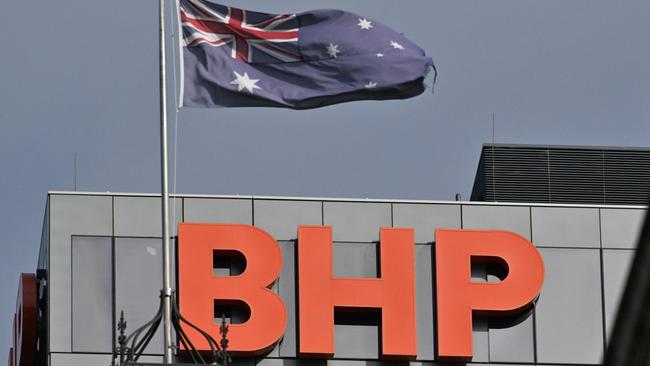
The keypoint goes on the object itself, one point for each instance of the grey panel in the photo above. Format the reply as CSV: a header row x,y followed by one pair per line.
x,y
368,363
152,359
480,340
513,343
616,265
294,362
568,318
243,362
497,364
43,254
426,218
287,290
510,218
356,341
79,359
92,294
350,363
273,362
138,280
424,302
70,215
356,221
480,334
566,226
217,210
140,216
281,218
355,260
620,227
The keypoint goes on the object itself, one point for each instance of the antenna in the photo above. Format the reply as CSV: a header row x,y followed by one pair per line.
x,y
75,171
494,165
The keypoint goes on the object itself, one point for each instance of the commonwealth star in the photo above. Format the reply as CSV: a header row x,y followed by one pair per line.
x,y
245,82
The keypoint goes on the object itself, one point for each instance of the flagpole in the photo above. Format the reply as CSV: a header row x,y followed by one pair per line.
x,y
166,290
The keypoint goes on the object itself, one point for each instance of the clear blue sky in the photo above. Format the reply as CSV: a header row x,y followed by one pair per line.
x,y
81,76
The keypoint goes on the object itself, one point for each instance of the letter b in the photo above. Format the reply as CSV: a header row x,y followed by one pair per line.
x,y
200,288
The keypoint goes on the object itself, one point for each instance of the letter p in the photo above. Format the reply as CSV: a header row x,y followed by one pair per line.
x,y
459,297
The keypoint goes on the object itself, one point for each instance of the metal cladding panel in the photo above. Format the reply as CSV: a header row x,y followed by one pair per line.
x,y
70,215
141,216
512,218
616,265
569,314
356,341
92,294
356,221
281,218
512,342
425,309
425,218
43,254
556,174
79,359
355,260
621,227
502,364
627,176
480,331
218,210
566,227
576,176
510,175
287,291
511,339
138,280
295,362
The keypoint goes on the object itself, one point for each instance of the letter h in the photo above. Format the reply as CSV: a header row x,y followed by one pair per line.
x,y
320,293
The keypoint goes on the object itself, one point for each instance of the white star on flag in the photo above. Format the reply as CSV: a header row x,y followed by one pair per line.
x,y
244,82
371,85
333,50
380,55
396,45
364,24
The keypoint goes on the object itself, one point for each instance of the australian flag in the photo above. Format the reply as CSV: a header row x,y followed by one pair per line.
x,y
240,58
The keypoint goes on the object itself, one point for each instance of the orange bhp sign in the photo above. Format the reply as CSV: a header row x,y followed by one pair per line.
x,y
320,294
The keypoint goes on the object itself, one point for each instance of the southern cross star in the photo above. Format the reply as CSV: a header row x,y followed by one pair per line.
x,y
380,55
364,24
396,45
244,82
371,85
333,50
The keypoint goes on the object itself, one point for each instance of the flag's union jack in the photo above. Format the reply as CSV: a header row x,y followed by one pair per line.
x,y
248,36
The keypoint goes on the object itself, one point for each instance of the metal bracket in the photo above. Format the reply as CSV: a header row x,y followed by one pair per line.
x,y
131,347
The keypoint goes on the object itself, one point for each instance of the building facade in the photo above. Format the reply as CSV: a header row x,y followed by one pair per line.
x,y
101,254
